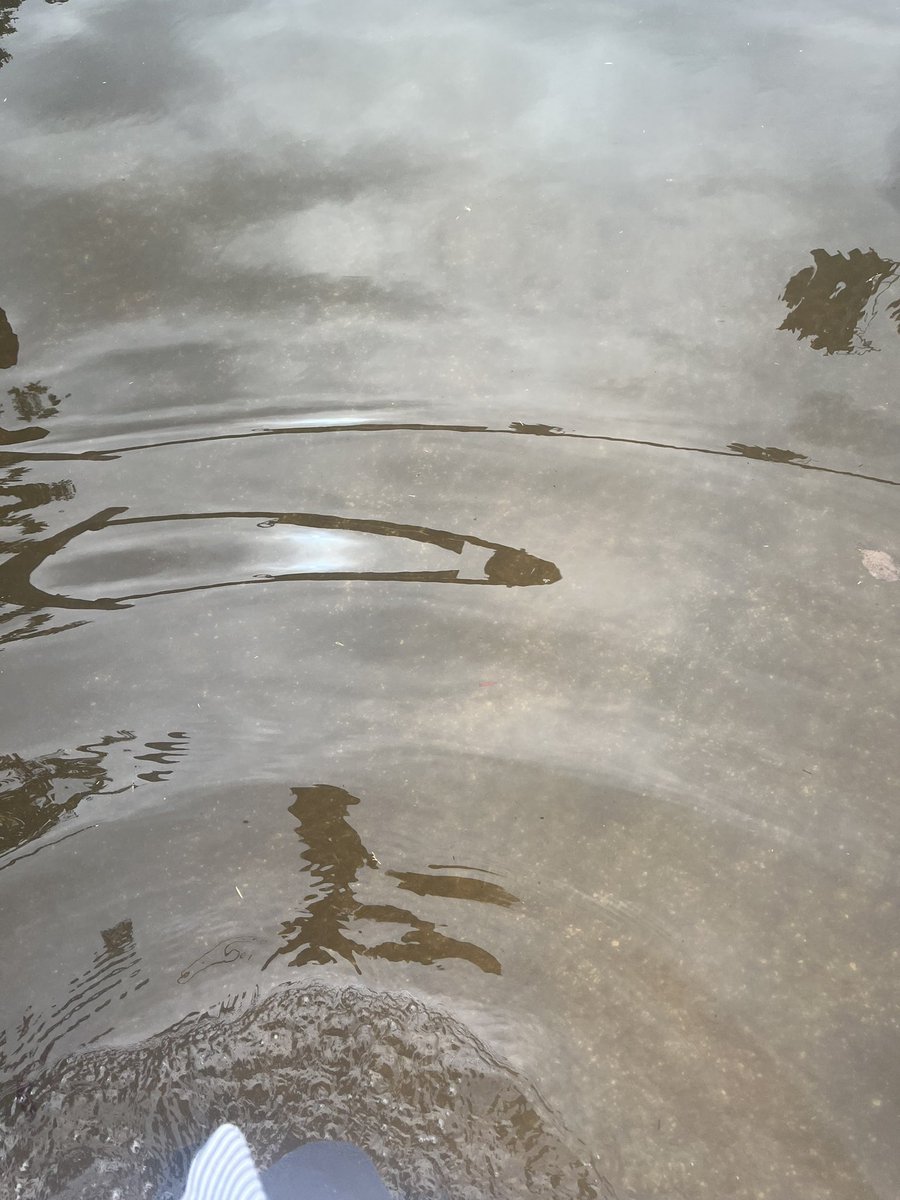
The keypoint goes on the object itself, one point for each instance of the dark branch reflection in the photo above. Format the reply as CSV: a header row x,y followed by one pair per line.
x,y
37,793
34,401
832,302
503,565
767,453
8,12
20,497
336,858
9,343
459,887
516,428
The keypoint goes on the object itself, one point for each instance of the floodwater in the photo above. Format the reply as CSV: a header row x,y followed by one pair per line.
x,y
449,587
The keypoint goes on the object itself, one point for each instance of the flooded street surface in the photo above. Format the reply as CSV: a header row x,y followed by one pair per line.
x,y
448,595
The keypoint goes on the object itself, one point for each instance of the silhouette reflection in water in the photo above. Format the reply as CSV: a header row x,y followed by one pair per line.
x,y
30,403
115,972
7,27
8,11
37,793
832,302
34,401
336,857
9,343
20,497
502,566
367,428
767,453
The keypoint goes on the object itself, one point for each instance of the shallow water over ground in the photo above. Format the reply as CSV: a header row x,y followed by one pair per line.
x,y
449,582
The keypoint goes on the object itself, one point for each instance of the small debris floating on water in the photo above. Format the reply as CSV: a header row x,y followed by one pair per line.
x,y
880,565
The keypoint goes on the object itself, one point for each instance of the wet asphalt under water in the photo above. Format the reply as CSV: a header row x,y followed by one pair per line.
x,y
448,515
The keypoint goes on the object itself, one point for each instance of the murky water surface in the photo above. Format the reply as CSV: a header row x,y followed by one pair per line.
x,y
449,593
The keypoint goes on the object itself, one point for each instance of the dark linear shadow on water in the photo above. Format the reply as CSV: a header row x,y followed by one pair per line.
x,y
114,974
336,856
505,566
440,1113
36,794
517,428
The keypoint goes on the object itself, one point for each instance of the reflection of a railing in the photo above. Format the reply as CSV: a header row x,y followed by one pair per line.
x,y
336,856
504,566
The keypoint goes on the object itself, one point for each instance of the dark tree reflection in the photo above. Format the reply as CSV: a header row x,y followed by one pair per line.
x,y
832,302
34,401
9,343
37,793
336,858
771,454
18,497
8,12
7,26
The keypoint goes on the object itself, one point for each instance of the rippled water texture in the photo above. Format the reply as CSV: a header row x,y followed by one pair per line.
x,y
424,1097
449,569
